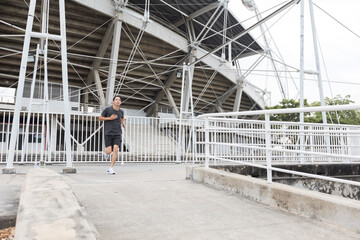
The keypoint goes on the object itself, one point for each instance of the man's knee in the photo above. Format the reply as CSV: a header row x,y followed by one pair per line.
x,y
108,150
116,149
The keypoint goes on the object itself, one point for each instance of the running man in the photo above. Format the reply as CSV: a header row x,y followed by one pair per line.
x,y
113,118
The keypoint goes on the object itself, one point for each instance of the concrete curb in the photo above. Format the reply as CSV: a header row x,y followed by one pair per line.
x,y
331,209
48,209
9,202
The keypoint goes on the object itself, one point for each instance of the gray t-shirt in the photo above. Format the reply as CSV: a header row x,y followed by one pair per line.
x,y
112,127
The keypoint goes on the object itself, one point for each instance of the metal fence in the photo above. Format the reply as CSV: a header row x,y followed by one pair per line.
x,y
263,143
42,138
146,139
245,140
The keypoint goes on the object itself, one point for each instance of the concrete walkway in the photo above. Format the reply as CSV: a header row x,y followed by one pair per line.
x,y
152,201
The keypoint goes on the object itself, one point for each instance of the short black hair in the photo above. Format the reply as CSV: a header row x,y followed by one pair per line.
x,y
116,97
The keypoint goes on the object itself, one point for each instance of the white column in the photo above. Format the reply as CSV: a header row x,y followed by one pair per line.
x,y
207,143
224,29
53,134
26,138
268,146
229,53
187,90
321,92
20,88
65,83
180,140
316,51
44,140
301,138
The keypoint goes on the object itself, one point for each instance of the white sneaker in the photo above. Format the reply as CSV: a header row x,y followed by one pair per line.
x,y
111,171
106,156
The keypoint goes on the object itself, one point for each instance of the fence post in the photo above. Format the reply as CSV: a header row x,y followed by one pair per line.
x,y
311,136
207,146
268,148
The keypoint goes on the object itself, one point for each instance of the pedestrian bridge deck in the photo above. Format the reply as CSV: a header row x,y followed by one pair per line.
x,y
155,201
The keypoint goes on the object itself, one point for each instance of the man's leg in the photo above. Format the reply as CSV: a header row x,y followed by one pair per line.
x,y
108,150
115,154
107,153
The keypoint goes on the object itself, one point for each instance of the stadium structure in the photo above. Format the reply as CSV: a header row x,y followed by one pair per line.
x,y
69,58
136,48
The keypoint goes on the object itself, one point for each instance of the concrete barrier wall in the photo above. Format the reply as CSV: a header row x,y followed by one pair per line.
x,y
331,209
48,209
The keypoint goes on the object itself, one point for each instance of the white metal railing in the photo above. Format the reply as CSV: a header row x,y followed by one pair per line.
x,y
255,142
157,139
246,140
144,139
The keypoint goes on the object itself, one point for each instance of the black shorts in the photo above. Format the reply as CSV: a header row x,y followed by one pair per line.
x,y
111,140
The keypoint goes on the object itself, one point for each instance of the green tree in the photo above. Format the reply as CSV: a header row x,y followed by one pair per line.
x,y
351,117
343,117
289,117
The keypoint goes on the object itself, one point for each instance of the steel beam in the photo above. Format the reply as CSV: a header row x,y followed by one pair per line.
x,y
281,9
219,109
97,62
237,102
198,13
160,95
46,35
102,49
208,26
172,102
223,98
269,52
169,5
99,87
114,59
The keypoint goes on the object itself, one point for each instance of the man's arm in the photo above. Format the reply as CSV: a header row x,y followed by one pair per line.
x,y
123,122
112,117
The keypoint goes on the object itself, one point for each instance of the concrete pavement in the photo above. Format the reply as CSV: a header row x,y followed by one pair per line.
x,y
154,201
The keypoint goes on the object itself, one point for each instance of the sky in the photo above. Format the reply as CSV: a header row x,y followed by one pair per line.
x,y
339,49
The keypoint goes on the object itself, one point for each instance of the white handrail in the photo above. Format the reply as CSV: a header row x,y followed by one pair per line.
x,y
339,180
283,111
268,135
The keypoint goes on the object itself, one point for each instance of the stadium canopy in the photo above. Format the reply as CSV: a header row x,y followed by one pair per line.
x,y
153,42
